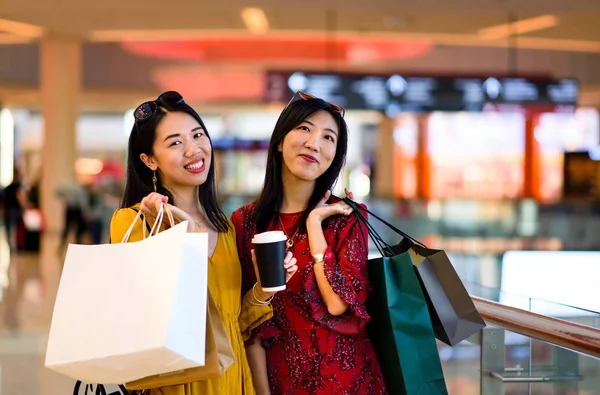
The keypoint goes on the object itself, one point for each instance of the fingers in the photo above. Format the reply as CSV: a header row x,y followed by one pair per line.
x,y
349,194
151,204
291,268
344,209
159,200
290,272
288,257
290,264
326,197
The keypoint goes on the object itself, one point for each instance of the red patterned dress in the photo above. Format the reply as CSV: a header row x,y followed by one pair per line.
x,y
308,350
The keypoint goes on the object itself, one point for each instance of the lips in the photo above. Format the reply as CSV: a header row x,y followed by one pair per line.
x,y
309,158
196,166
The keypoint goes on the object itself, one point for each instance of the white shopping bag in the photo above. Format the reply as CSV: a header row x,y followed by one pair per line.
x,y
131,310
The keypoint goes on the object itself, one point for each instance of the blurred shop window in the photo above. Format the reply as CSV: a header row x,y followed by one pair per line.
x,y
558,134
476,155
406,135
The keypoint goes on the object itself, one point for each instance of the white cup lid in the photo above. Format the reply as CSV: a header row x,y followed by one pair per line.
x,y
269,237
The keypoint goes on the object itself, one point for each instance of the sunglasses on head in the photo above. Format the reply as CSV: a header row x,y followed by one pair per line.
x,y
306,96
145,110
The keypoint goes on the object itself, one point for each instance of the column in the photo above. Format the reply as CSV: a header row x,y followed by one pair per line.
x,y
60,80
423,160
384,161
531,179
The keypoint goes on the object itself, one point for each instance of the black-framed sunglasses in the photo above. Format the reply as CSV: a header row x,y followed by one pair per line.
x,y
145,110
307,96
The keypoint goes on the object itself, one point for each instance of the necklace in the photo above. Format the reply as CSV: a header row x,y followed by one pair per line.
x,y
290,241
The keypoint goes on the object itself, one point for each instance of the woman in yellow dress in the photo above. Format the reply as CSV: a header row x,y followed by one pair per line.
x,y
170,161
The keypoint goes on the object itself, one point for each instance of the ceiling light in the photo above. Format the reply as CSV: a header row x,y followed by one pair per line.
x,y
518,27
21,29
256,21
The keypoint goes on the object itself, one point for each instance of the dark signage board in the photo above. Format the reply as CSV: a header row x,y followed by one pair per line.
x,y
407,93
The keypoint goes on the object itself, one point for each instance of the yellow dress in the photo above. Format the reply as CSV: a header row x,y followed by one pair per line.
x,y
239,316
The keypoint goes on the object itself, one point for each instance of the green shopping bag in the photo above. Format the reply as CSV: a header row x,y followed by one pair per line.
x,y
400,327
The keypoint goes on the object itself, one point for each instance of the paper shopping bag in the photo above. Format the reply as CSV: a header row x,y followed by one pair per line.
x,y
219,357
453,313
131,310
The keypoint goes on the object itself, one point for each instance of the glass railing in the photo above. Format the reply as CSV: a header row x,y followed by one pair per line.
x,y
499,360
536,305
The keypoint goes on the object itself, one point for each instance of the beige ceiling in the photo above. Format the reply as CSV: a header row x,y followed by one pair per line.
x,y
440,22
449,22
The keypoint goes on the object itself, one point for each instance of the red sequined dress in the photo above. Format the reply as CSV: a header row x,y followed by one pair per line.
x,y
308,350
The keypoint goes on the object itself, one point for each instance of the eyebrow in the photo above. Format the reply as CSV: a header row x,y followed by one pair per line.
x,y
177,134
312,124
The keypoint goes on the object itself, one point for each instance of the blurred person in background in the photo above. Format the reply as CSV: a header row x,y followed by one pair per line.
x,y
14,201
94,212
77,205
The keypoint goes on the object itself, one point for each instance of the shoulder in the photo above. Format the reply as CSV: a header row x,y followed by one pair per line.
x,y
242,214
124,216
231,231
121,221
340,222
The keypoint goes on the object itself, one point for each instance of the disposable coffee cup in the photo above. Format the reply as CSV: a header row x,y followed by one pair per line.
x,y
270,250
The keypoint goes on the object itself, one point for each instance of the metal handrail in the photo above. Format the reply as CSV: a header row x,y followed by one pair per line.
x,y
572,336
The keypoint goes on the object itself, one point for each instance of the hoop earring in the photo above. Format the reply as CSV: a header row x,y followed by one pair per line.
x,y
154,180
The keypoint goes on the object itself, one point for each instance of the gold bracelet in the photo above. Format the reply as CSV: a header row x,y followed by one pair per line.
x,y
261,302
318,258
249,299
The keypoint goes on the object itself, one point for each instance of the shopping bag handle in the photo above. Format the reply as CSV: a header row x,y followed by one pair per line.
x,y
392,227
155,227
159,218
378,240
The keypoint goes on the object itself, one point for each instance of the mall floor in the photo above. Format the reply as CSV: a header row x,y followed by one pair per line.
x,y
29,284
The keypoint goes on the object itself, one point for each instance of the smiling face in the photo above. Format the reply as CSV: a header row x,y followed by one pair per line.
x,y
181,151
309,149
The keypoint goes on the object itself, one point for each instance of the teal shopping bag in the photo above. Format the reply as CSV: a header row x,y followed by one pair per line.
x,y
400,328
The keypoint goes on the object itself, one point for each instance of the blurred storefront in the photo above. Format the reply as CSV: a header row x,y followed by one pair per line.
x,y
474,180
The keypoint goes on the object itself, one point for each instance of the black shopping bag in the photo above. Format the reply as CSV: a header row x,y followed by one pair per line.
x,y
453,314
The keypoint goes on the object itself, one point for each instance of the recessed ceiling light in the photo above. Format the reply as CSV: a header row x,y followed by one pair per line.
x,y
518,27
255,19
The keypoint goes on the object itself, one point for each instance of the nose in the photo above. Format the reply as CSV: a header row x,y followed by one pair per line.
x,y
191,150
312,142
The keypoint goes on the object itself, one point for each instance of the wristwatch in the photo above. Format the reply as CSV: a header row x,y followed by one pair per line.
x,y
317,258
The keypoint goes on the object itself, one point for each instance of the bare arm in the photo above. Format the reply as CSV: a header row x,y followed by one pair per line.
x,y
318,245
257,359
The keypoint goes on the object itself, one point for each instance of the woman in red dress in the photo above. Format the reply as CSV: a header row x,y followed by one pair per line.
x,y
316,342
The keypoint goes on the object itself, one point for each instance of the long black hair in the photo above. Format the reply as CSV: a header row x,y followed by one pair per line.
x,y
268,205
139,177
